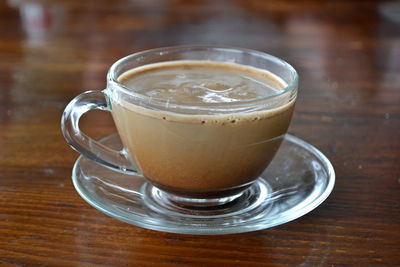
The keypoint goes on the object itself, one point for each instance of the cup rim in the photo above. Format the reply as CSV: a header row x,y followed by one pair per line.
x,y
113,79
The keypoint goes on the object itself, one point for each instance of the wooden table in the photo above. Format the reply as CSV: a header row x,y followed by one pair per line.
x,y
347,54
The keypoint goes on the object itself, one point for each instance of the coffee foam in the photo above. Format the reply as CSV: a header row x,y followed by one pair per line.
x,y
201,83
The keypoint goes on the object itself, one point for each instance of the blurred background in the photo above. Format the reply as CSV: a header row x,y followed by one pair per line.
x,y
56,45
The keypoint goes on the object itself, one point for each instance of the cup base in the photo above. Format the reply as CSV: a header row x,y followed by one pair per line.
x,y
248,198
186,198
191,202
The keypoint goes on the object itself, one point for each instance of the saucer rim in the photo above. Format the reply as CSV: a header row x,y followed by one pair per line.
x,y
223,230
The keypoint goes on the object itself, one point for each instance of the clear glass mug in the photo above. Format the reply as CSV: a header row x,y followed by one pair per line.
x,y
190,161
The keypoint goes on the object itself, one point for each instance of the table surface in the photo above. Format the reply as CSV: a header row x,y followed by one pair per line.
x,y
347,54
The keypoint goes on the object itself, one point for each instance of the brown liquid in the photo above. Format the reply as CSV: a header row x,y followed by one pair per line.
x,y
196,155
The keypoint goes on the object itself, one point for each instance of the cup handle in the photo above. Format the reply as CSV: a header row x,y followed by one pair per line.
x,y
90,148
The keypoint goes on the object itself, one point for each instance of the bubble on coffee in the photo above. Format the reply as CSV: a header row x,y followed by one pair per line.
x,y
201,83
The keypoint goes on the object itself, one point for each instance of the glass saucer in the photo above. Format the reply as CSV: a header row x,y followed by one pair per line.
x,y
298,180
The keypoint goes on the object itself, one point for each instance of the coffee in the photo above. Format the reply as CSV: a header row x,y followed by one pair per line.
x,y
197,153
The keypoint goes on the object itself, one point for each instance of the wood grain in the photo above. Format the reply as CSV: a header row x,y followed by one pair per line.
x,y
348,57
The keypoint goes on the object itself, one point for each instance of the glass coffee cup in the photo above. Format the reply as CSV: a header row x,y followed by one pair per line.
x,y
199,123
